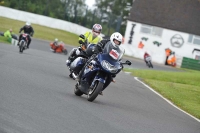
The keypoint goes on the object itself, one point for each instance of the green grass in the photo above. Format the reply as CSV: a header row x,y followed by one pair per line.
x,y
181,88
4,40
41,32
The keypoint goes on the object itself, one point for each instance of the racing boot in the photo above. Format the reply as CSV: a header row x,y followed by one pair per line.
x,y
68,62
101,93
28,46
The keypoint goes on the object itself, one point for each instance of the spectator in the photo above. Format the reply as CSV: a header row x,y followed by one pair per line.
x,y
8,33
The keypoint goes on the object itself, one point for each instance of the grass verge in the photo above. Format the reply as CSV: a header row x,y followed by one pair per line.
x,y
4,40
41,32
181,88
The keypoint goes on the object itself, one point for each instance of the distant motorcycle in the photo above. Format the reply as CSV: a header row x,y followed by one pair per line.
x,y
60,48
148,61
23,42
98,72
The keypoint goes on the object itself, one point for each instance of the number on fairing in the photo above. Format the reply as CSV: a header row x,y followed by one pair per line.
x,y
148,59
24,35
114,54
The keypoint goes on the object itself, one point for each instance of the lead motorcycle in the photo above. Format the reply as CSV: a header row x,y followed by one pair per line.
x,y
99,72
23,42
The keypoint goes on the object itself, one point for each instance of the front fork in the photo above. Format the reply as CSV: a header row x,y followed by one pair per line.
x,y
99,77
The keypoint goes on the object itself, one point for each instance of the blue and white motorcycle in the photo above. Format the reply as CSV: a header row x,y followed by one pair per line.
x,y
99,72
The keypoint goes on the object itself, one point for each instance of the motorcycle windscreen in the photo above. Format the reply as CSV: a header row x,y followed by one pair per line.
x,y
115,52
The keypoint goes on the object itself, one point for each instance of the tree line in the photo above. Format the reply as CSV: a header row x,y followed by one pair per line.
x,y
111,14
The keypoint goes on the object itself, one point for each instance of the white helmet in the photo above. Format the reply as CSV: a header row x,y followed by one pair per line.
x,y
28,24
116,36
56,40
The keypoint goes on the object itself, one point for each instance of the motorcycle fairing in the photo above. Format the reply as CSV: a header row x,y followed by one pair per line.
x,y
105,56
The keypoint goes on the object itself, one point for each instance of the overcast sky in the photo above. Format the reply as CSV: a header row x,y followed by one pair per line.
x,y
90,3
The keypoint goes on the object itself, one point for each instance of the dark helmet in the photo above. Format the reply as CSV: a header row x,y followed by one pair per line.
x,y
90,49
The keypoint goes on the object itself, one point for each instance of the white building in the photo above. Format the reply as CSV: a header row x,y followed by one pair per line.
x,y
145,24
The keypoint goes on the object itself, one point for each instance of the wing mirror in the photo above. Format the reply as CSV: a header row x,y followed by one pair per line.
x,y
128,62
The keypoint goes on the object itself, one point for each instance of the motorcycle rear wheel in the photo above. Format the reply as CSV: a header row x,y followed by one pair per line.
x,y
94,92
65,51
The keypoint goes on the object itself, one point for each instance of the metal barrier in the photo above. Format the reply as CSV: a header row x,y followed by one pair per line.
x,y
14,42
190,63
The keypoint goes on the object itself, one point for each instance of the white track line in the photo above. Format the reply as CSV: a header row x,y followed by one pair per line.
x,y
136,78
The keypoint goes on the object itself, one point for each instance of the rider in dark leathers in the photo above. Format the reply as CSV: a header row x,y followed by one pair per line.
x,y
28,30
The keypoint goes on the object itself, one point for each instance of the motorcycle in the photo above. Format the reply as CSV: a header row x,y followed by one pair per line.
x,y
60,48
82,55
99,72
23,42
148,61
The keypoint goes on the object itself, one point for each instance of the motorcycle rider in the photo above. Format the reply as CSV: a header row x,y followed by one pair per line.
x,y
92,37
145,56
172,59
115,41
8,33
28,29
55,44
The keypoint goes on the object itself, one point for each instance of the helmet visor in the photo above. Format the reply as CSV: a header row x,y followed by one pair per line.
x,y
96,32
116,42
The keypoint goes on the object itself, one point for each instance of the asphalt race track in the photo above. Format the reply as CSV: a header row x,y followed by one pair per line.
x,y
36,96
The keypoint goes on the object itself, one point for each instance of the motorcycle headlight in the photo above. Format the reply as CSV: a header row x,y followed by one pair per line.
x,y
106,65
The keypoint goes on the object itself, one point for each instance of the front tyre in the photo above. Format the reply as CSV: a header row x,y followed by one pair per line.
x,y
21,46
77,91
94,92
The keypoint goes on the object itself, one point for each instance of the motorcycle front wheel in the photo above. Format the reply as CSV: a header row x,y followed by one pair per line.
x,y
21,46
77,91
94,92
150,64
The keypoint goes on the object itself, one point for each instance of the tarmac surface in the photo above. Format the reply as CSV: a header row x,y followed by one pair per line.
x,y
36,96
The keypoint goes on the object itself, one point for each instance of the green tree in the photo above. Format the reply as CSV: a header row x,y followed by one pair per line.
x,y
115,13
112,15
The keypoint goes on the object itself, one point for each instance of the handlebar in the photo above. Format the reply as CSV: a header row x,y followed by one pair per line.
x,y
126,63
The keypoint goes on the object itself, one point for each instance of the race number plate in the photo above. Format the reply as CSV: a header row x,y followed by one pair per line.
x,y
148,58
114,54
24,35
